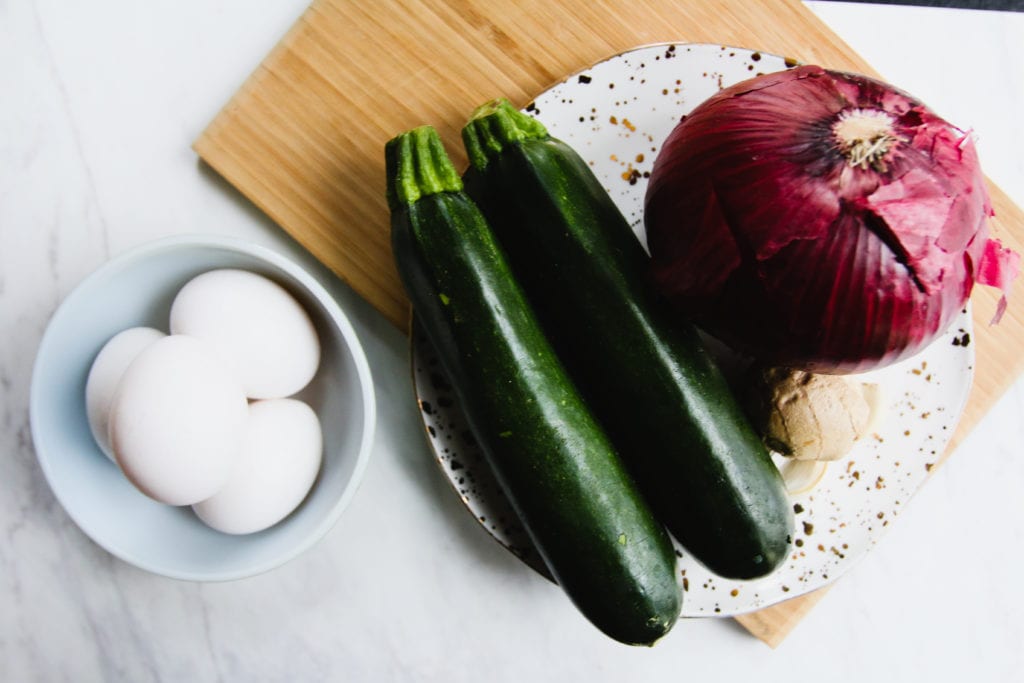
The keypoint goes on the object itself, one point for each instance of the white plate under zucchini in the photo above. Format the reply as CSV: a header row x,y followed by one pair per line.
x,y
616,114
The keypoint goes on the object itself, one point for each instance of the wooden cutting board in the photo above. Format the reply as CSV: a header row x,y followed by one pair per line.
x,y
303,138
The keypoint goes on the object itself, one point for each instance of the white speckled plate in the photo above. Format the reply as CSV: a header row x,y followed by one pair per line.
x,y
616,114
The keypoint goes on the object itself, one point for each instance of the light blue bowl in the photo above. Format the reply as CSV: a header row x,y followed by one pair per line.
x,y
136,289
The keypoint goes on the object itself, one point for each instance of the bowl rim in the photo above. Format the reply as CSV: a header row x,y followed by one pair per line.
x,y
337,317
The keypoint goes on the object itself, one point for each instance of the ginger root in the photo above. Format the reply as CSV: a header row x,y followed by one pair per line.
x,y
812,417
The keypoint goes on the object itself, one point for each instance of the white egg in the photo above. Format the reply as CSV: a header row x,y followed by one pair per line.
x,y
176,421
281,453
263,334
105,374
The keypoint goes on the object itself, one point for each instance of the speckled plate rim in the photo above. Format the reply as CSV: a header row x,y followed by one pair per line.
x,y
338,317
528,555
964,322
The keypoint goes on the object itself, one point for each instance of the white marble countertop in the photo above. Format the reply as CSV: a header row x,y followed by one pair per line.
x,y
101,102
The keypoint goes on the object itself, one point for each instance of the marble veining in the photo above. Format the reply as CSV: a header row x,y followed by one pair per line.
x,y
101,103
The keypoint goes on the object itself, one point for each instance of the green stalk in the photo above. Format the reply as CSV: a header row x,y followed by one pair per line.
x,y
417,166
493,127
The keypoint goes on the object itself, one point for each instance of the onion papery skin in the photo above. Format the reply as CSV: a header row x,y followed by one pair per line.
x,y
764,234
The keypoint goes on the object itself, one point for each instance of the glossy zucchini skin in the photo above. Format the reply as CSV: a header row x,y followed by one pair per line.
x,y
597,535
645,373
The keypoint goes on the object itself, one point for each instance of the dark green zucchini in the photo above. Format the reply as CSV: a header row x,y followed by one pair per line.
x,y
646,375
596,534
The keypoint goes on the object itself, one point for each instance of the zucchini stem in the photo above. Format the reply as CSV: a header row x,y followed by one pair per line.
x,y
418,166
493,127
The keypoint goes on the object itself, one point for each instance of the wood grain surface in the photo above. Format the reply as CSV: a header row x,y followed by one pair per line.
x,y
303,137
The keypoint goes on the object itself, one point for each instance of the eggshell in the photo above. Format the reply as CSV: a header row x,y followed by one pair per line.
x,y
282,449
176,421
264,336
105,374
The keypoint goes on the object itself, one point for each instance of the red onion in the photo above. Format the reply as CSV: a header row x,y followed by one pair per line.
x,y
820,220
